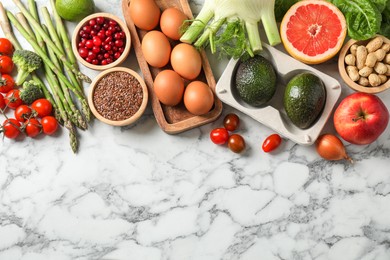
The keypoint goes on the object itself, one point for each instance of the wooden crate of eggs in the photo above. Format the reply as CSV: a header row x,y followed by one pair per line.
x,y
178,76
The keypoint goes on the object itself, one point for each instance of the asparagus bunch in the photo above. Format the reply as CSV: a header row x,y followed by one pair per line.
x,y
61,71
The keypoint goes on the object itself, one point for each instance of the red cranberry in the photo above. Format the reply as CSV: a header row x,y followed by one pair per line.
x,y
102,34
107,47
92,22
89,44
91,55
83,52
100,20
87,28
119,43
117,55
96,49
97,41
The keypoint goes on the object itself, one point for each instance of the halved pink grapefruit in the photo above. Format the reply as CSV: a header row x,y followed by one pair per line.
x,y
313,31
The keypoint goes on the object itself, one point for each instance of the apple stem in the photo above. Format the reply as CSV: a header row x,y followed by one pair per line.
x,y
357,118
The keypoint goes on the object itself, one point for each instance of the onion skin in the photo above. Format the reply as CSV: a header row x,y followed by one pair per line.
x,y
331,148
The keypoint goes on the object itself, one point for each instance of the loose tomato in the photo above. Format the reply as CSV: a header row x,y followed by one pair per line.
x,y
271,143
49,125
12,99
231,122
236,143
33,127
11,128
6,64
22,113
219,135
6,47
2,102
42,106
6,83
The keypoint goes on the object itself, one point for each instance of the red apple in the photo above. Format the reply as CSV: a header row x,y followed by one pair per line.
x,y
361,118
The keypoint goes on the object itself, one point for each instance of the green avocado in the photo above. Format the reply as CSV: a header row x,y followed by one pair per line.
x,y
255,80
304,99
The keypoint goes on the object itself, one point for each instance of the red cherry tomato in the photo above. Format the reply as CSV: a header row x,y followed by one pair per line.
x,y
11,128
271,143
6,83
2,102
219,135
236,143
6,64
6,47
22,113
42,106
33,127
49,125
231,122
12,99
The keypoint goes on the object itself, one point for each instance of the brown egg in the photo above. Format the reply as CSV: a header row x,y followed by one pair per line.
x,y
144,13
156,49
171,21
168,87
198,98
186,61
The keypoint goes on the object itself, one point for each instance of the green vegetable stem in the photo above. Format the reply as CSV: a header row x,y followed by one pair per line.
x,y
231,26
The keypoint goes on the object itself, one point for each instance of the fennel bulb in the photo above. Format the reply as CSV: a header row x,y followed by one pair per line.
x,y
231,26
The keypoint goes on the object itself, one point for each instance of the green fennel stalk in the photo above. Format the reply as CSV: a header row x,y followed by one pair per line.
x,y
224,23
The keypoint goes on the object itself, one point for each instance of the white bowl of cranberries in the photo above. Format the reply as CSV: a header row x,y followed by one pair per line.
x,y
101,41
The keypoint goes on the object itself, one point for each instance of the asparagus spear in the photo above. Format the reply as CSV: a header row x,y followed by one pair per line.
x,y
35,24
63,34
52,33
74,114
58,102
43,55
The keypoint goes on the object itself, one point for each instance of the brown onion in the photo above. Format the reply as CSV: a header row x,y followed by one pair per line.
x,y
331,148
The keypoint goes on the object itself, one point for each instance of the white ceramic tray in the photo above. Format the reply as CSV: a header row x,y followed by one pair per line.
x,y
273,114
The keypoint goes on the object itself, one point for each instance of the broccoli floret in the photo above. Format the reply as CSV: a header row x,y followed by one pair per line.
x,y
27,62
30,92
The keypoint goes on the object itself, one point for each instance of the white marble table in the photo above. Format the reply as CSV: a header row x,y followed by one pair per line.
x,y
138,193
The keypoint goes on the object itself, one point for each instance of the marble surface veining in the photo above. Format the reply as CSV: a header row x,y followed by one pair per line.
x,y
138,193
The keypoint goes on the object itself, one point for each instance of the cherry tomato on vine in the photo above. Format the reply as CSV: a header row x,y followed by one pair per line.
x,y
271,143
236,143
6,47
33,127
219,135
11,128
22,113
2,102
6,83
6,64
12,99
49,125
231,122
42,106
